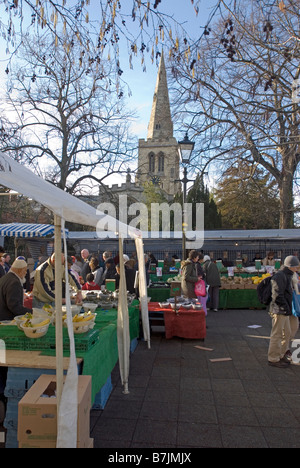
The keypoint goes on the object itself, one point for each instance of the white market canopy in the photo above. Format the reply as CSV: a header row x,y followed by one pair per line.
x,y
17,177
26,230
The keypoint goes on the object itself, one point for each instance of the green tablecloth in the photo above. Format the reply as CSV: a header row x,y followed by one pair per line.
x,y
98,360
228,298
158,294
164,277
239,299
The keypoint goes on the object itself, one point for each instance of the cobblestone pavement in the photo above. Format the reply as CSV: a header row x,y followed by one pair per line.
x,y
180,398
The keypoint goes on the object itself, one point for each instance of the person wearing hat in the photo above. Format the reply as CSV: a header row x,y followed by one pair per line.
x,y
12,291
11,304
280,310
213,280
44,283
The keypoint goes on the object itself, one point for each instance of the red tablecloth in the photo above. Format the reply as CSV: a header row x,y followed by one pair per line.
x,y
186,323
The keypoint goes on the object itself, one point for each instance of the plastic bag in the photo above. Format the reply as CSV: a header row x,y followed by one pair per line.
x,y
296,304
200,289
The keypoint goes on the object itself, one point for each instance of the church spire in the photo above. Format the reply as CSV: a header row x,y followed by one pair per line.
x,y
160,124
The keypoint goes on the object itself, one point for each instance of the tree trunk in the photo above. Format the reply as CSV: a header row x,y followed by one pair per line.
x,y
286,202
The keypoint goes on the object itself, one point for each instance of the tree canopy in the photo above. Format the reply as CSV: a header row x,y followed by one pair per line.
x,y
236,93
247,199
65,119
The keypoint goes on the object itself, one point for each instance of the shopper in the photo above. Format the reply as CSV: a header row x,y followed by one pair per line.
x,y
280,311
213,279
190,275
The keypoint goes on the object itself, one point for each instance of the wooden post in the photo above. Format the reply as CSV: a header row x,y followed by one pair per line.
x,y
58,309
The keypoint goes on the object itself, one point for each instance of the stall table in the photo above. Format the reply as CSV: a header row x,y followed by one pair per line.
x,y
158,294
239,299
27,359
185,323
228,298
164,277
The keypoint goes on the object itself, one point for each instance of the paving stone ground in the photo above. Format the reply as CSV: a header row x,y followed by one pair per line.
x,y
179,398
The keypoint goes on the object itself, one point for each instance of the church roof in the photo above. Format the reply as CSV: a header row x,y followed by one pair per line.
x,y
160,124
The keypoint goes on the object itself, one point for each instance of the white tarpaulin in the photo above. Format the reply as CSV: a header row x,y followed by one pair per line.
x,y
143,289
123,323
65,208
17,177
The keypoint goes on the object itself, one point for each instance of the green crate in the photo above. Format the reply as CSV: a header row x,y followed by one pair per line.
x,y
16,339
83,342
12,337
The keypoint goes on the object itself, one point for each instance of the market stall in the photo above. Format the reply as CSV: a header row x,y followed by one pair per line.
x,y
236,292
96,355
185,322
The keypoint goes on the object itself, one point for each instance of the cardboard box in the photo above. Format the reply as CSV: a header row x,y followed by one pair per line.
x,y
87,443
37,416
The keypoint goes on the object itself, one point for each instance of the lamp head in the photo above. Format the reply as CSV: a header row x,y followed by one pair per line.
x,y
185,148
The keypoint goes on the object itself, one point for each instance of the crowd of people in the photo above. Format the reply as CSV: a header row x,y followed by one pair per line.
x,y
85,272
89,272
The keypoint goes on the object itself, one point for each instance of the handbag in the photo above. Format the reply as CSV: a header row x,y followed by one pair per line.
x,y
200,289
296,304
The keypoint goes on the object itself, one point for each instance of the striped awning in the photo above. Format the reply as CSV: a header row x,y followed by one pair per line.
x,y
26,230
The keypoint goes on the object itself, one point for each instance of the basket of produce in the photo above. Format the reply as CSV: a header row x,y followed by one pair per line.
x,y
35,327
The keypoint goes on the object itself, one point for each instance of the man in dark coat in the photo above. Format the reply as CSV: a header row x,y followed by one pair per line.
x,y
280,311
213,280
11,304
12,292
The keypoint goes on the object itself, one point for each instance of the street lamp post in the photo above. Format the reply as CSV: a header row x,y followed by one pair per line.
x,y
185,149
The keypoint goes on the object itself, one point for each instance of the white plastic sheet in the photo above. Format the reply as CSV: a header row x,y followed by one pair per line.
x,y
143,289
123,324
68,406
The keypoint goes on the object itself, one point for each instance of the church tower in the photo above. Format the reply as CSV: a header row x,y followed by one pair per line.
x,y
158,158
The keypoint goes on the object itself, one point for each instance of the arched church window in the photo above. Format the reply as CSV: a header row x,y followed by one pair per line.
x,y
161,162
151,162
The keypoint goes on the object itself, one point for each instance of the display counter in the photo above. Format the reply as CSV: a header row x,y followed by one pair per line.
x,y
185,323
228,298
239,299
97,348
27,359
164,277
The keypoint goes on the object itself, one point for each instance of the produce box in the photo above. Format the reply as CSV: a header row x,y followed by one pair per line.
x,y
37,413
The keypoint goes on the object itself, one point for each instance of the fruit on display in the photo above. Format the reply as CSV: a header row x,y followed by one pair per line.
x,y
239,282
28,323
258,279
83,317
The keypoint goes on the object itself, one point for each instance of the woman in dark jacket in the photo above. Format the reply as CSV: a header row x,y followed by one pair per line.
x,y
189,275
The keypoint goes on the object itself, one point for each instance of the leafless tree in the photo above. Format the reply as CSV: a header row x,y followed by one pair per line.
x,y
65,118
237,93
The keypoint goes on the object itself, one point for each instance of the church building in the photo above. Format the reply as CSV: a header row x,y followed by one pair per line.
x,y
158,157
